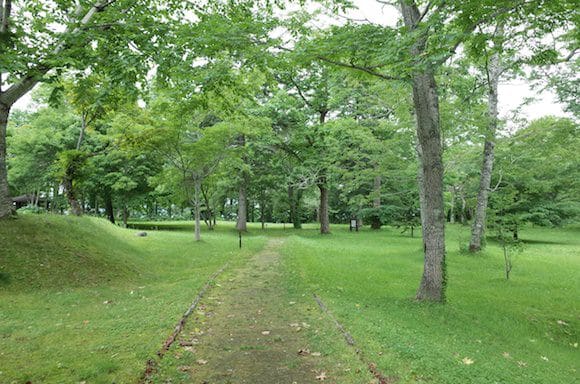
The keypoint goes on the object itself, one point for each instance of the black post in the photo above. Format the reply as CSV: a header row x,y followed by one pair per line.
x,y
240,236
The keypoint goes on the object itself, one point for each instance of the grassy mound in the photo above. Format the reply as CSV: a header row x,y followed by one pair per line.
x,y
45,251
85,301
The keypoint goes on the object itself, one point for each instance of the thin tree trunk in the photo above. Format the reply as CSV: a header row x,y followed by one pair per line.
x,y
493,72
426,102
452,209
376,220
263,211
208,219
82,132
324,220
242,208
463,216
197,204
6,209
125,215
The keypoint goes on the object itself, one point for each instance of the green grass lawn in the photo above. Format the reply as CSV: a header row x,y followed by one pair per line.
x,y
525,330
84,300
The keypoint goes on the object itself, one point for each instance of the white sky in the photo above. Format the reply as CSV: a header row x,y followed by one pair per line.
x,y
511,94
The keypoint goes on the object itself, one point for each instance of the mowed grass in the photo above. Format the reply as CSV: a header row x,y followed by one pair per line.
x,y
84,300
525,330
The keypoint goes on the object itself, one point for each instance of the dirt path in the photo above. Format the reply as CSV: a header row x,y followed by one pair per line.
x,y
246,331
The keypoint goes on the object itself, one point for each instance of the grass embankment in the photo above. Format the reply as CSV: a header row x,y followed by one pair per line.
x,y
524,330
83,300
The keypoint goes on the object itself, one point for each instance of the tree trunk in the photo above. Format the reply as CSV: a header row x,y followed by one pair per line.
x,y
263,211
197,204
210,213
452,209
242,208
426,102
376,220
324,221
75,207
125,215
82,132
110,211
6,209
463,215
294,197
493,73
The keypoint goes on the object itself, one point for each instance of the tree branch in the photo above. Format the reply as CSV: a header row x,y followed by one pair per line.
x,y
359,68
25,84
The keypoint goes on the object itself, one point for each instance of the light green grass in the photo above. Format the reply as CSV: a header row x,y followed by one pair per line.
x,y
83,300
369,279
56,273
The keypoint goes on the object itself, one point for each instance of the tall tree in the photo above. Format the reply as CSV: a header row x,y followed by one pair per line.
x,y
101,35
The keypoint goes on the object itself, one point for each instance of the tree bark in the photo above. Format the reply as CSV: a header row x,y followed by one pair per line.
x,y
197,204
324,220
452,209
75,207
242,208
294,197
6,208
426,102
376,220
125,215
493,72
109,208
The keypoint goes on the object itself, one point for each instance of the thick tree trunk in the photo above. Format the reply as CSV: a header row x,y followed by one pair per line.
x,y
242,208
6,209
478,228
75,207
376,220
432,285
324,220
109,210
426,102
197,204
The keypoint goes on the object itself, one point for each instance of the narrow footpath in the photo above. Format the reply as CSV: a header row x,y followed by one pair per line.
x,y
245,330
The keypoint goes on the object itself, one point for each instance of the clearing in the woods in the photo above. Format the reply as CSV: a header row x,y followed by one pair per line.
x,y
84,301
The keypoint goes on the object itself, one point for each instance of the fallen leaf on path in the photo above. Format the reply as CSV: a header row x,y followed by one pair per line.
x,y
321,377
467,361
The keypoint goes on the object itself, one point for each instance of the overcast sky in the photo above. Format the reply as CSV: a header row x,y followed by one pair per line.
x,y
511,94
